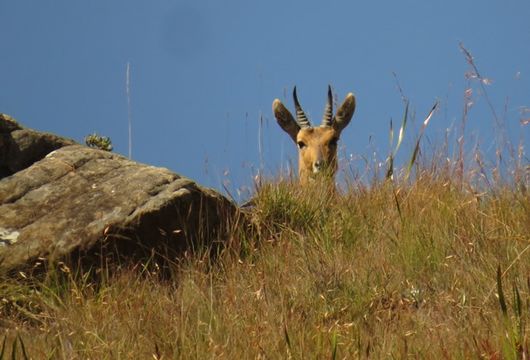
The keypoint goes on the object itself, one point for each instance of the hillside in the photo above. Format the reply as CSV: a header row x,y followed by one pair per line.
x,y
430,266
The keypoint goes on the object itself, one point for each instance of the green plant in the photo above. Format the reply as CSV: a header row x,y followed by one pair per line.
x,y
515,341
98,142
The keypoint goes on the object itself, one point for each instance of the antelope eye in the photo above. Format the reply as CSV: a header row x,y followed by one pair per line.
x,y
301,145
333,142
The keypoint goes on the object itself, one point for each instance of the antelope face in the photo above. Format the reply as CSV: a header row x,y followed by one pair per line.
x,y
317,146
317,149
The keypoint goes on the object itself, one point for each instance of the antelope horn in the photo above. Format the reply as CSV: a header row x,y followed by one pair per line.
x,y
301,119
327,120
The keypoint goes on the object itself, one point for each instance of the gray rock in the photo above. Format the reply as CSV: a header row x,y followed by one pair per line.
x,y
81,202
20,147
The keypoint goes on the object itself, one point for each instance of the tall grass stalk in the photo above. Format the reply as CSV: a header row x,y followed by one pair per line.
x,y
129,112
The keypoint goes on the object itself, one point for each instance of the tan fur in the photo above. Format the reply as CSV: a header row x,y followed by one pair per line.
x,y
318,156
317,146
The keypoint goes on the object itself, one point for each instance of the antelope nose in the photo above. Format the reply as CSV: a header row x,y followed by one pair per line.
x,y
317,166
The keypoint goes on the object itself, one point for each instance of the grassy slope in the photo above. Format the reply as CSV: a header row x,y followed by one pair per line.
x,y
386,270
435,266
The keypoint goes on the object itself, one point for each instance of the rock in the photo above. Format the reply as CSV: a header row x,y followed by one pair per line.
x,y
78,202
21,147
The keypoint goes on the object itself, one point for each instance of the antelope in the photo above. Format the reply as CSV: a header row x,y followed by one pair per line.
x,y
317,146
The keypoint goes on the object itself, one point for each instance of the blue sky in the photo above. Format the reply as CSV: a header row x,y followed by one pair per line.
x,y
203,73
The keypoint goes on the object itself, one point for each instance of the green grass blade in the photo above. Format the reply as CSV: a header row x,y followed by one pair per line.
x,y
518,309
14,350
334,343
390,168
286,336
22,347
392,155
517,303
390,159
397,204
417,146
3,347
502,299
428,118
413,157
402,128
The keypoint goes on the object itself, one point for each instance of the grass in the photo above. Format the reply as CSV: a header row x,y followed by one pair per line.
x,y
429,261
321,276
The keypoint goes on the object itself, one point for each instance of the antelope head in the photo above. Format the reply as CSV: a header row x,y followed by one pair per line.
x,y
317,146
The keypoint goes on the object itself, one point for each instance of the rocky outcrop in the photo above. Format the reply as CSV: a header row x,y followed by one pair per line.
x,y
79,202
20,147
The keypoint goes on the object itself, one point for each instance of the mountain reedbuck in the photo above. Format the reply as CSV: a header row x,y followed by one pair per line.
x,y
317,146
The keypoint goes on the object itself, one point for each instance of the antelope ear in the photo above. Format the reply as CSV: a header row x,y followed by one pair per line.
x,y
344,113
285,119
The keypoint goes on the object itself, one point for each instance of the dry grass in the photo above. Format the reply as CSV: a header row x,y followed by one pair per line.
x,y
430,262
390,270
